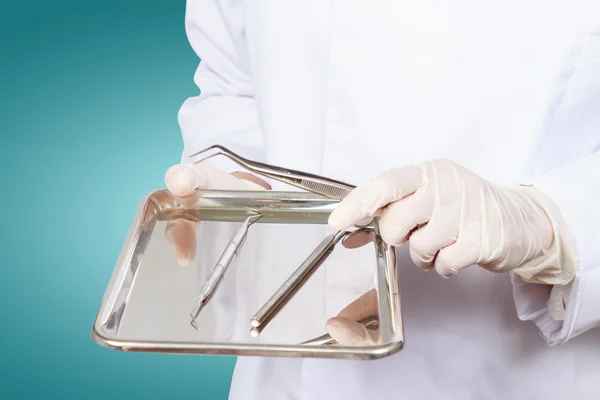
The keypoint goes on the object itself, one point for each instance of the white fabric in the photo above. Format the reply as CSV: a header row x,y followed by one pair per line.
x,y
348,89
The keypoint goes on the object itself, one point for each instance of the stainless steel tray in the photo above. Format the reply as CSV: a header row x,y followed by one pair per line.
x,y
148,300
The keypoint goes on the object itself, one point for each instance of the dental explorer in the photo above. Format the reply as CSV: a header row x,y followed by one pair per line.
x,y
216,275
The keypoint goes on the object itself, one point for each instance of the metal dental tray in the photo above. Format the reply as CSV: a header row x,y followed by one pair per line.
x,y
147,303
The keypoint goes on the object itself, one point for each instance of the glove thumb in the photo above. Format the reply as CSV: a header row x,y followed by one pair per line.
x,y
184,179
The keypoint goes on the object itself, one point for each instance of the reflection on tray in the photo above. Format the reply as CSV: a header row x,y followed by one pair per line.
x,y
174,245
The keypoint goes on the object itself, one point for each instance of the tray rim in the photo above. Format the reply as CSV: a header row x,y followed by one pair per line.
x,y
385,260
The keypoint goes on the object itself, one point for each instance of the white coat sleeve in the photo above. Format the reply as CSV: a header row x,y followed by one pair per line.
x,y
575,189
225,111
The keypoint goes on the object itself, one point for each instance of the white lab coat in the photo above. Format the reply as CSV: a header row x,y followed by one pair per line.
x,y
509,89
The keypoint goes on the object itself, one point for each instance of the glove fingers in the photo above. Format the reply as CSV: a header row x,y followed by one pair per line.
x,y
399,219
456,257
425,242
344,328
184,179
350,333
365,200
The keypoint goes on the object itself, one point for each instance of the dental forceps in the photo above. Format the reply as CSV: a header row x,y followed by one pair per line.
x,y
216,275
317,184
313,183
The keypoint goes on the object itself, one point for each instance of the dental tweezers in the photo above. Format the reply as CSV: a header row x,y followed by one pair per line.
x,y
216,275
313,183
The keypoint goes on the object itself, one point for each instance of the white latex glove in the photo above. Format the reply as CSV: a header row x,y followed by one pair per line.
x,y
455,219
345,328
183,180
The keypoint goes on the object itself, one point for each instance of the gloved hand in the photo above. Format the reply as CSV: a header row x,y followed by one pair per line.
x,y
455,219
345,328
182,180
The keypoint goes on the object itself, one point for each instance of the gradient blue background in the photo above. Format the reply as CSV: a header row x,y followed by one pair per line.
x,y
89,93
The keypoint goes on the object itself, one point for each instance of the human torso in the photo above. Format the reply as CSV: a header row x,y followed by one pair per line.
x,y
349,89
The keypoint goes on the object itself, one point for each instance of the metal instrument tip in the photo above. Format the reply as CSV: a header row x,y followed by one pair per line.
x,y
253,217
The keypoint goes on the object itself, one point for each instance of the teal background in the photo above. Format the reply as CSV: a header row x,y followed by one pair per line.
x,y
89,94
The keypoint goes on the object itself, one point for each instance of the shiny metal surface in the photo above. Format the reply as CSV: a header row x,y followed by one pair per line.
x,y
290,287
147,301
215,276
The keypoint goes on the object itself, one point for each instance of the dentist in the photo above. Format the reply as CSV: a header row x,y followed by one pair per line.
x,y
476,126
